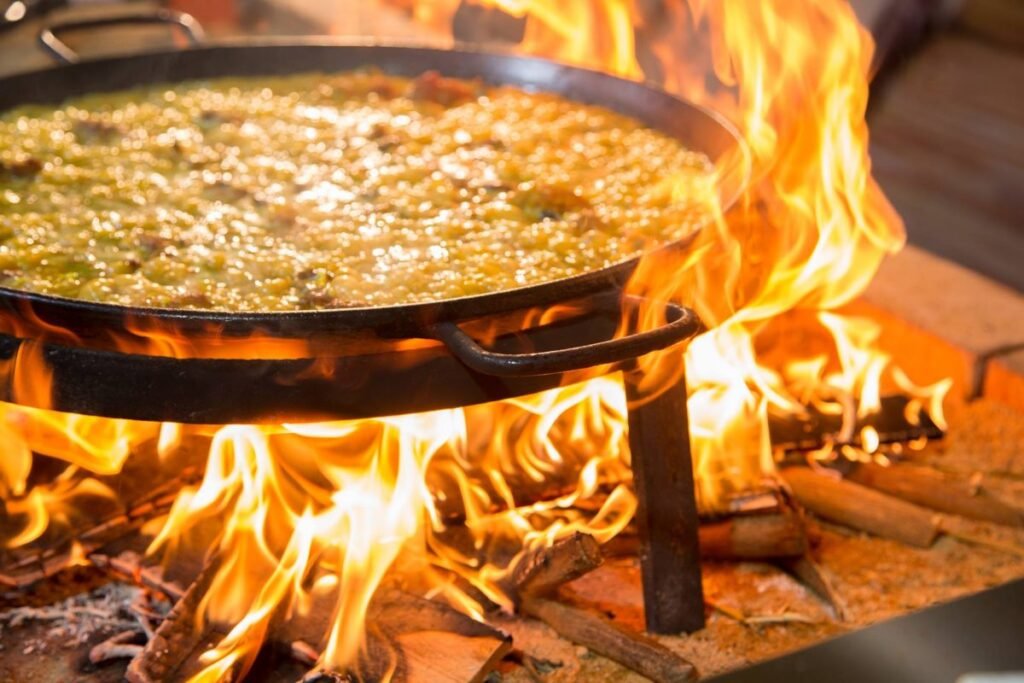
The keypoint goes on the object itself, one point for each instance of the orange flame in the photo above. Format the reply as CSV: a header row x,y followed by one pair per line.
x,y
810,233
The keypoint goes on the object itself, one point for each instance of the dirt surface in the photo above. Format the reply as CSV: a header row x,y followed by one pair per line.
x,y
757,611
754,610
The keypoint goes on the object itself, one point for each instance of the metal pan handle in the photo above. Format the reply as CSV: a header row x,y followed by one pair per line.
x,y
682,324
64,54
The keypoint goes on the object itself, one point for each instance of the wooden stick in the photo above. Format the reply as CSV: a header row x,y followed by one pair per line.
x,y
541,573
42,563
666,515
129,565
937,490
634,651
177,638
862,508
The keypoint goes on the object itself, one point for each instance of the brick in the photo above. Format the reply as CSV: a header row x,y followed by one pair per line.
x,y
942,320
1004,379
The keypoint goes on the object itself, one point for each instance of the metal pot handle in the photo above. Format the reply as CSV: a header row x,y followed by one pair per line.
x,y
682,324
62,53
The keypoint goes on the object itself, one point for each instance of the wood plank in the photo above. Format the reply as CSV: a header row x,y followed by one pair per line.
x,y
439,656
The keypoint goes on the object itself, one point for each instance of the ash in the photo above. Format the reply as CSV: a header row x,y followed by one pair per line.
x,y
74,621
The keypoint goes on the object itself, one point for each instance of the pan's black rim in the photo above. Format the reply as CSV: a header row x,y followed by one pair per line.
x,y
418,316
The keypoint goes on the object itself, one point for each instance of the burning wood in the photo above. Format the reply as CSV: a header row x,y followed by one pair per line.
x,y
436,643
177,639
543,572
130,566
889,423
32,564
547,569
862,508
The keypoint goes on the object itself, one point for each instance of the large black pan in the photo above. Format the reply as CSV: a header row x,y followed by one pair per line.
x,y
89,379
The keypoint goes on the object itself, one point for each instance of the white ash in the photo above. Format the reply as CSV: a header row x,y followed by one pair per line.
x,y
75,620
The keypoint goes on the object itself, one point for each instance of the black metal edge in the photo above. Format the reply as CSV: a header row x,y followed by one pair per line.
x,y
59,50
682,323
219,391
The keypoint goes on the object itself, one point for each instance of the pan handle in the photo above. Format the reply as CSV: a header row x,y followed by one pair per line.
x,y
60,51
682,324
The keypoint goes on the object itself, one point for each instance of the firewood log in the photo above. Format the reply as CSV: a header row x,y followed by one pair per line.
x,y
779,534
541,574
862,508
177,641
634,651
738,538
936,490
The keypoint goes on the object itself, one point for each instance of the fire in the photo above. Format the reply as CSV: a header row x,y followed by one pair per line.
x,y
299,516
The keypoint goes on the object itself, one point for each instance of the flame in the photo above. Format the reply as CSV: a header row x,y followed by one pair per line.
x,y
301,515
806,239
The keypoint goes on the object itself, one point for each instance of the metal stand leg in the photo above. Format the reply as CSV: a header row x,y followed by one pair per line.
x,y
659,443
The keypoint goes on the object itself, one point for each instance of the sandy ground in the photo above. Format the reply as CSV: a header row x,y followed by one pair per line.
x,y
755,610
876,579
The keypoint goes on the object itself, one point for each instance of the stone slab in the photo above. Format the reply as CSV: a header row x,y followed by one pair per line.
x,y
942,320
1004,379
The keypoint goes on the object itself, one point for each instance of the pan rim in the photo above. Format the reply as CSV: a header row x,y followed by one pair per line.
x,y
591,280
